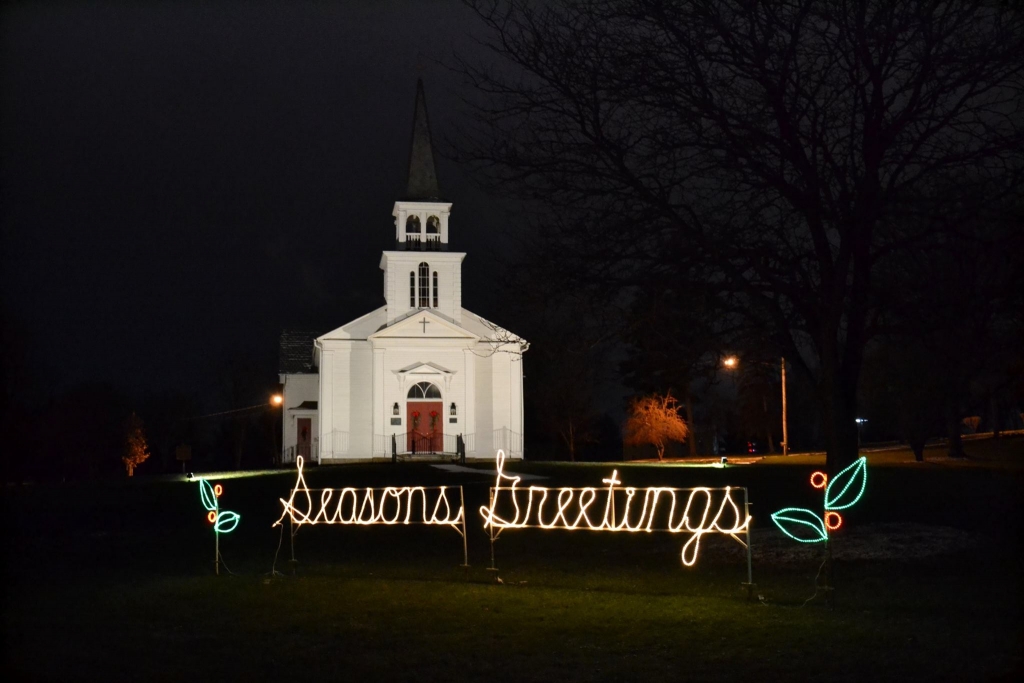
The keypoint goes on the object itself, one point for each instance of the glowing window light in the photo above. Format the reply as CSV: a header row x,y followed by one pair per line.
x,y
833,520
818,480
853,480
572,510
390,505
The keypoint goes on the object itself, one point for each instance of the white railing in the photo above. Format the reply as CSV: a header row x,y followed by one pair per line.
x,y
442,443
334,444
505,439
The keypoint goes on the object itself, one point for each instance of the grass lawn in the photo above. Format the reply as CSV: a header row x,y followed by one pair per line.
x,y
113,581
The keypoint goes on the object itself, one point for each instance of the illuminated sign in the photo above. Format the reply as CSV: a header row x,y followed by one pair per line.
x,y
367,506
612,508
841,493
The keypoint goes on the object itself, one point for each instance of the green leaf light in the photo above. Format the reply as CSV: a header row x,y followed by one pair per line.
x,y
801,524
227,521
207,495
850,485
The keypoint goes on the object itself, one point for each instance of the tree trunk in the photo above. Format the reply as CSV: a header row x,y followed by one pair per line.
x,y
572,445
692,439
956,442
661,451
994,410
917,445
839,414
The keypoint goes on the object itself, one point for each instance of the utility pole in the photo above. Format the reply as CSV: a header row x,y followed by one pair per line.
x,y
785,427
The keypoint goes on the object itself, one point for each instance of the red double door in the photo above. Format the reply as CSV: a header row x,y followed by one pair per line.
x,y
426,431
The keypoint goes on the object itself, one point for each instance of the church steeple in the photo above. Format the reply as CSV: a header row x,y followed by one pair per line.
x,y
413,278
421,216
422,183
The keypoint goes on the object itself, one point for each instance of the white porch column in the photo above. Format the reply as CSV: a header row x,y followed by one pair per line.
x,y
469,408
378,412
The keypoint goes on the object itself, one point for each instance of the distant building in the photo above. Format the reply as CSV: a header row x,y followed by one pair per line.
x,y
420,370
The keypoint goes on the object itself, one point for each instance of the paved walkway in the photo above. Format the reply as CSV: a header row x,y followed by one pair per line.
x,y
461,469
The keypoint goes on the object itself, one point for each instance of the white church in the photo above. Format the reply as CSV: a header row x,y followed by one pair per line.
x,y
419,375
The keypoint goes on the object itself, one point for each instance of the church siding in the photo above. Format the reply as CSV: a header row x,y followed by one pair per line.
x,y
360,429
484,415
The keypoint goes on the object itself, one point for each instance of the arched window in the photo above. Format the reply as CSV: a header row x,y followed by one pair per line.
x,y
435,289
412,289
433,225
424,285
412,225
424,390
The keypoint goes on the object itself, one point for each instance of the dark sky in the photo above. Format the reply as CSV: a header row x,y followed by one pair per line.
x,y
179,182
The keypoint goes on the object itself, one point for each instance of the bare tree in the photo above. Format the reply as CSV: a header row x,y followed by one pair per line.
x,y
655,420
777,155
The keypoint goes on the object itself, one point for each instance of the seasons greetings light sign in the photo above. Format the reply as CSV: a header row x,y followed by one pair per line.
x,y
615,508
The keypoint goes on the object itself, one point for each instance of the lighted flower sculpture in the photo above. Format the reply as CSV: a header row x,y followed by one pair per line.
x,y
841,493
223,521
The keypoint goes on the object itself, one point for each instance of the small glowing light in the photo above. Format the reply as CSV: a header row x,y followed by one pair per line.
x,y
211,516
572,510
730,362
217,490
818,480
276,399
833,520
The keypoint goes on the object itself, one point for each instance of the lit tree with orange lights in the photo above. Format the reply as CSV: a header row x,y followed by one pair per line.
x,y
655,420
136,450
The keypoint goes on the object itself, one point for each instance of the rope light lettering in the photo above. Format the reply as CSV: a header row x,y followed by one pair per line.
x,y
391,505
695,511
843,492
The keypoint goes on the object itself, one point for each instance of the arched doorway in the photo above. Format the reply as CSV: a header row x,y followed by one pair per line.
x,y
425,417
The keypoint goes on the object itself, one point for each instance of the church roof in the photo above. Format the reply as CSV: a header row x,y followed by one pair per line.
x,y
295,355
422,183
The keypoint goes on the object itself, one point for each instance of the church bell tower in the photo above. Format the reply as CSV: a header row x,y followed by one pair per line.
x,y
421,272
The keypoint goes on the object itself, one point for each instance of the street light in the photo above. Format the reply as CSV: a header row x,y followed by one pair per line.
x,y
276,400
732,362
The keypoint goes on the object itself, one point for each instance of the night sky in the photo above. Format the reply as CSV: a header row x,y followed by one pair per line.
x,y
180,182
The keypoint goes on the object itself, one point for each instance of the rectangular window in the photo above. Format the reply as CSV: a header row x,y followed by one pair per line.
x,y
435,289
412,289
424,293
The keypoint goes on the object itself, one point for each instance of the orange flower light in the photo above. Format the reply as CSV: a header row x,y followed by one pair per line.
x,y
211,516
833,520
819,479
217,490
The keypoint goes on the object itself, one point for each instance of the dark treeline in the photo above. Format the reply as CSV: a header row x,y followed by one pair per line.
x,y
81,432
835,183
